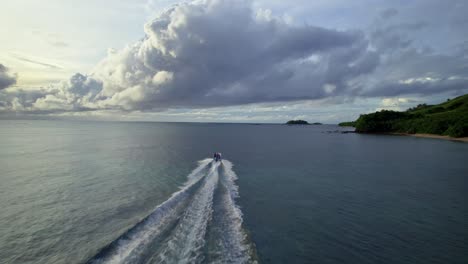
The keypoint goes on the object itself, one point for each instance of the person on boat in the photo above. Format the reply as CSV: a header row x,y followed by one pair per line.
x,y
217,156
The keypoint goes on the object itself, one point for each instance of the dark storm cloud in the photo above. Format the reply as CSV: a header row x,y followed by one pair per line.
x,y
6,77
222,52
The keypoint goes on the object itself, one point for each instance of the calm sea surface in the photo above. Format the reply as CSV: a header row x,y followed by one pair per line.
x,y
103,192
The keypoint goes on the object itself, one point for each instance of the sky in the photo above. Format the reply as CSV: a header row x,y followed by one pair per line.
x,y
228,60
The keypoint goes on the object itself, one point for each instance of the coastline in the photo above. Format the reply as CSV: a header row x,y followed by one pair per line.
x,y
462,139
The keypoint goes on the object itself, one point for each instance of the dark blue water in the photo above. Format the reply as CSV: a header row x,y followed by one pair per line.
x,y
73,192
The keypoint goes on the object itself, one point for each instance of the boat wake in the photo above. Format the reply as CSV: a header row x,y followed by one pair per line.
x,y
200,223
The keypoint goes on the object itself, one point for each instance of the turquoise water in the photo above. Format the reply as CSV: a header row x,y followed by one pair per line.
x,y
77,192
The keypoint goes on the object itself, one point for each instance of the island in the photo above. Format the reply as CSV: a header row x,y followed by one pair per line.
x,y
301,122
297,122
448,119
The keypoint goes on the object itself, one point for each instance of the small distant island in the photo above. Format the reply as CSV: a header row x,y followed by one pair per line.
x,y
301,122
449,119
297,122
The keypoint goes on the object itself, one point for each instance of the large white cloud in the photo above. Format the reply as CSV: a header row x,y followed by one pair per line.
x,y
223,52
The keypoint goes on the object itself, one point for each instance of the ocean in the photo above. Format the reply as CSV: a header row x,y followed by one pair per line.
x,y
136,192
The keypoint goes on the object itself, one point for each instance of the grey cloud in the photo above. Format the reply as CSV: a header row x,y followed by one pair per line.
x,y
6,77
462,49
453,86
20,99
388,13
395,36
417,72
82,85
77,94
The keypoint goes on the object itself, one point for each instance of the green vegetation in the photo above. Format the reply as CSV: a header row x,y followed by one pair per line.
x,y
347,124
297,122
449,118
317,124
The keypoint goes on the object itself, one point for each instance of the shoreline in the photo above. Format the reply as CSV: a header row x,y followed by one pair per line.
x,y
462,139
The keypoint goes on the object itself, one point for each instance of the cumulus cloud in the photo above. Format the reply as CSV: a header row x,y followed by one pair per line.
x,y
221,53
6,77
211,53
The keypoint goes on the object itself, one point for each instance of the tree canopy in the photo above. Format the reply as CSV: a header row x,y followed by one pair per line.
x,y
448,118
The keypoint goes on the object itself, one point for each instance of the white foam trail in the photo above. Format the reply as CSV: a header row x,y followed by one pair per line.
x,y
232,241
133,242
195,174
187,240
199,223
